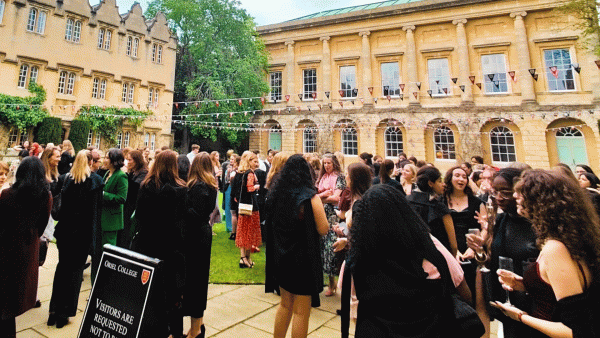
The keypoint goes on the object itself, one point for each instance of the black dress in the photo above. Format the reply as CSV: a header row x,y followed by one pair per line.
x,y
391,182
64,165
134,182
514,238
293,246
463,221
198,243
431,211
77,229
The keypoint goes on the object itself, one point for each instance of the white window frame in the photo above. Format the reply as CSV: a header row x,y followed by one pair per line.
x,y
392,81
34,72
23,72
393,139
14,138
159,56
129,44
156,97
95,87
146,139
348,74
349,139
126,140
107,39
309,139
2,5
134,49
77,31
124,92
101,33
32,19
438,69
119,139
70,84
275,82
564,69
62,82
506,135
309,83
494,64
443,140
41,22
69,29
97,140
102,93
150,96
152,142
131,93
154,47
90,138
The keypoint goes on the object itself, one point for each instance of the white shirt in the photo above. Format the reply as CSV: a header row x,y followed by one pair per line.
x,y
191,156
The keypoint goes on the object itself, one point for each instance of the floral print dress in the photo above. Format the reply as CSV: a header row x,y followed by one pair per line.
x,y
330,266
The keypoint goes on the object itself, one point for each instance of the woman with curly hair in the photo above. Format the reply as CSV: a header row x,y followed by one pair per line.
x,y
562,282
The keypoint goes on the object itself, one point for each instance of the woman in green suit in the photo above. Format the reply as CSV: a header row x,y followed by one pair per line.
x,y
115,194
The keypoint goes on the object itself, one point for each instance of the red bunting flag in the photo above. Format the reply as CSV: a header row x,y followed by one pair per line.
x,y
415,94
512,75
371,90
445,90
478,84
314,95
554,71
240,102
231,114
342,103
287,98
196,104
319,105
176,105
217,103
262,100
472,78
341,93
389,98
362,101
402,87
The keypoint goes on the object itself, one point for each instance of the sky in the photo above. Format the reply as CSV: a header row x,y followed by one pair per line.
x,y
266,12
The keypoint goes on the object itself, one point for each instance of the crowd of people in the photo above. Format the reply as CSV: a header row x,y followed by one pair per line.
x,y
405,240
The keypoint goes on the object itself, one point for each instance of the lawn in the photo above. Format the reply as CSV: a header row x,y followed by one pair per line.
x,y
225,258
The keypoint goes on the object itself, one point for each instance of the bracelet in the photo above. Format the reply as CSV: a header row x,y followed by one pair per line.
x,y
521,315
480,257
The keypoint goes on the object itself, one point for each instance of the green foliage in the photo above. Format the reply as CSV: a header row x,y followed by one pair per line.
x,y
109,121
587,13
23,112
49,131
78,134
220,56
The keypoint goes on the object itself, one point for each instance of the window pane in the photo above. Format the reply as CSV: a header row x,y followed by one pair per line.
x,y
130,93
150,96
494,73
119,139
134,50
349,141
77,31
126,142
124,94
275,86
393,141
156,98
71,84
561,77
348,80
90,137
107,39
275,138
23,76
101,37
33,74
152,141
95,86
154,53
129,43
2,3
103,89
32,19
310,83
439,76
390,79
502,144
159,60
309,140
69,30
41,23
62,82
443,140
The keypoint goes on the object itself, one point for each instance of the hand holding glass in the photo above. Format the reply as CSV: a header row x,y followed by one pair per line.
x,y
506,263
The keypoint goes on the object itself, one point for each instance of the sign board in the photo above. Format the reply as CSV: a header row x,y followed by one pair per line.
x,y
121,302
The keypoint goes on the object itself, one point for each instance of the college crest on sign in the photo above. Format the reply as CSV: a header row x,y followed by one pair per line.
x,y
145,276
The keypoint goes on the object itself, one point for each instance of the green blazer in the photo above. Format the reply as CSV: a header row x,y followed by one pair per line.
x,y
115,194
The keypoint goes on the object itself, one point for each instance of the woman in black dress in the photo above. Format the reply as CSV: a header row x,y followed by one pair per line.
x,y
432,210
295,222
198,241
160,214
137,169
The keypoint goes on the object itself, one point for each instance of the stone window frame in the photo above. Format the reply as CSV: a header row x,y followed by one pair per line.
x,y
67,81
514,145
307,95
157,53
73,29
440,146
126,138
389,141
448,78
547,72
309,139
99,86
37,25
566,42
396,86
273,70
23,80
497,48
105,34
345,62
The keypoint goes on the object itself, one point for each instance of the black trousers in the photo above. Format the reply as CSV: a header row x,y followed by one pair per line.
x,y
72,255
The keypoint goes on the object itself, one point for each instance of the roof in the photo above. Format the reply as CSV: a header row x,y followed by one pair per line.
x,y
355,8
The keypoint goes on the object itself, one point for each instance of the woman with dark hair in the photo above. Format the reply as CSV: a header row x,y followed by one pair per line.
x,y
296,221
160,213
589,182
230,203
137,169
202,192
432,210
390,245
114,197
561,280
25,208
183,166
78,228
583,168
366,158
385,172
330,185
511,236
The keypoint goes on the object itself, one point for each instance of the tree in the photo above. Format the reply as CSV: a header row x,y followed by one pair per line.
x,y
587,13
219,56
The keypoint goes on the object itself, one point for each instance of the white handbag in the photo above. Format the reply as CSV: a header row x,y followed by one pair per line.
x,y
243,208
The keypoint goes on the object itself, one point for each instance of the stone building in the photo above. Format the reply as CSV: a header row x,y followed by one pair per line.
x,y
438,79
90,55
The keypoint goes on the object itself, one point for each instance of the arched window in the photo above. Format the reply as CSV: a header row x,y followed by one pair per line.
x,y
120,139
309,139
97,141
95,87
129,43
443,140
23,76
102,90
275,137
349,141
502,143
77,31
69,30
569,132
393,141
70,84
134,49
32,19
62,82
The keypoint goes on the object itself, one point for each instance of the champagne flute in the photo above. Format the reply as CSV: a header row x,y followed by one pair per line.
x,y
506,263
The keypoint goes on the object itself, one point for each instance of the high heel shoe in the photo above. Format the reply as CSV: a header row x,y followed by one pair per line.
x,y
330,292
251,263
202,332
51,319
243,263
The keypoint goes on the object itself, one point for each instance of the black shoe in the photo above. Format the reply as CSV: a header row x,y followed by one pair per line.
x,y
243,264
61,321
51,320
339,312
202,332
232,236
37,304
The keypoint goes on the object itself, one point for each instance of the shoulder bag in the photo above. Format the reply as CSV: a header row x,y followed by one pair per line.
x,y
243,208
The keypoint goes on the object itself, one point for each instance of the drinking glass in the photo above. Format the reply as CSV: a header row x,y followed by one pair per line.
x,y
506,263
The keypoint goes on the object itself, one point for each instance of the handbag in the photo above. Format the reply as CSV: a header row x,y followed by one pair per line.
x,y
43,250
244,208
467,320
57,201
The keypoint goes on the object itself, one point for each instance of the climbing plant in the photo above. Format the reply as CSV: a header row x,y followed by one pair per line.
x,y
109,121
23,112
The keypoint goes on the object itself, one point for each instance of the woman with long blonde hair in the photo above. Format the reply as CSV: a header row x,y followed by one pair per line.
x,y
78,221
202,192
278,161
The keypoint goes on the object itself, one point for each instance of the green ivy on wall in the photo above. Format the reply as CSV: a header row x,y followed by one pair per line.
x,y
109,121
23,112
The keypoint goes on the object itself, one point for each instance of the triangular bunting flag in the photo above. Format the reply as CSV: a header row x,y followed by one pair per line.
x,y
512,75
341,93
287,98
342,104
472,78
240,102
454,79
445,90
371,90
402,87
389,98
415,94
262,100
478,84
314,95
327,94
554,71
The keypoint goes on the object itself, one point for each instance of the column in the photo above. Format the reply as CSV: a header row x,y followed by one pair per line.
x,y
366,68
290,70
527,85
411,55
463,61
326,77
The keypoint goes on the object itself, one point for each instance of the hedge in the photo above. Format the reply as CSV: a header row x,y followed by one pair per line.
x,y
79,134
49,131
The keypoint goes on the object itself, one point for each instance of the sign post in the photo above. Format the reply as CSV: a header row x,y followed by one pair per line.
x,y
126,298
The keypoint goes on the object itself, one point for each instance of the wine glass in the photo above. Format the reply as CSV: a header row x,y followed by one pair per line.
x,y
506,263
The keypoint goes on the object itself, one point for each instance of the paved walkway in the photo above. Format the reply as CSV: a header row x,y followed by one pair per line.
x,y
233,311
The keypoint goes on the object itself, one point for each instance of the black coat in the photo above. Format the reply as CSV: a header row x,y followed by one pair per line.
x,y
134,182
66,160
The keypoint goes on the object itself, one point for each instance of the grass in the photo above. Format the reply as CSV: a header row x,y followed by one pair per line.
x,y
225,258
